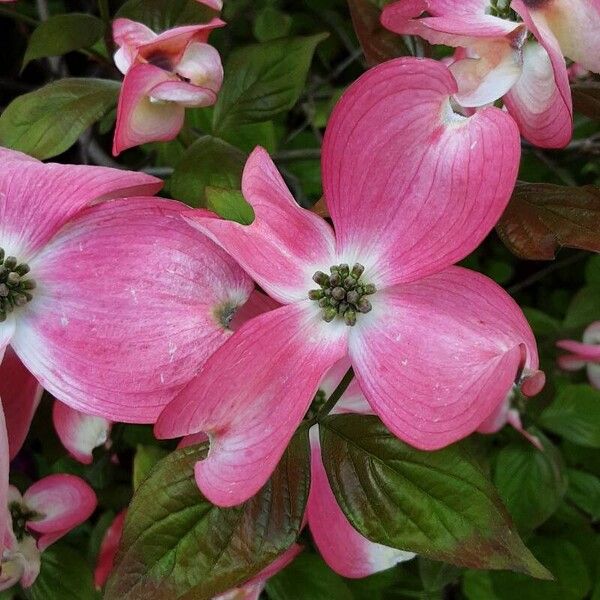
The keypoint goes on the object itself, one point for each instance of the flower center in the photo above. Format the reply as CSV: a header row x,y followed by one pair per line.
x,y
20,516
342,293
15,288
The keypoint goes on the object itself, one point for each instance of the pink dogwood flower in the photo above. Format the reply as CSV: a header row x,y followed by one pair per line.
x,y
47,511
583,354
214,4
251,590
496,58
21,393
128,300
411,188
164,74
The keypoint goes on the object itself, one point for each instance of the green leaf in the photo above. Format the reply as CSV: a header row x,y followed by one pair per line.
x,y
592,269
263,80
308,577
378,43
477,585
209,161
586,98
65,575
164,14
437,504
146,457
563,559
436,575
575,415
543,217
176,544
584,491
541,323
271,24
63,33
48,121
230,205
584,308
531,483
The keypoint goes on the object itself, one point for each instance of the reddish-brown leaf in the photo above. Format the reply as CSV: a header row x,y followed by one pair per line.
x,y
542,217
586,98
378,43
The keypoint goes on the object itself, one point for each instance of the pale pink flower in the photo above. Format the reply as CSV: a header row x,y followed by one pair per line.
x,y
495,59
79,432
251,590
506,414
214,4
164,74
583,354
47,511
129,301
411,188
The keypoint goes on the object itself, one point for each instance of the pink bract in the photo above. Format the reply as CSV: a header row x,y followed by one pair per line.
x,y
164,74
585,354
130,301
410,192
494,60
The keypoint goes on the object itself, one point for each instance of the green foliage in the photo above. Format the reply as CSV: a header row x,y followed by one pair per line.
x,y
308,577
263,80
48,121
230,205
531,482
209,161
160,15
63,33
575,415
64,575
205,550
437,504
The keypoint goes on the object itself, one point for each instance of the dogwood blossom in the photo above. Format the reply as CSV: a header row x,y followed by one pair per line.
x,y
164,74
496,57
411,188
112,305
583,354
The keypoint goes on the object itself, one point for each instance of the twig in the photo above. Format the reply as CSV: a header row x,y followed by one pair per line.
x,y
565,262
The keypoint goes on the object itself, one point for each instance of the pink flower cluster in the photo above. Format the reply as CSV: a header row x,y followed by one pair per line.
x,y
131,308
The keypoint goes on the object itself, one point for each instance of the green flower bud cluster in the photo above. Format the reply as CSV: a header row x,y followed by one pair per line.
x,y
20,516
342,293
15,288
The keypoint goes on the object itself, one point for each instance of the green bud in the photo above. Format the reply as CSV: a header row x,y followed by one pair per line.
x,y
338,293
335,280
10,262
350,317
13,278
22,269
4,291
323,302
364,306
343,307
329,314
28,284
316,294
353,297
357,270
369,289
321,278
344,270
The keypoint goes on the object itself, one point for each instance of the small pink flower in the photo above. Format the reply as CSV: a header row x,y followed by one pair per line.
x,y
47,511
496,60
164,74
435,348
80,433
215,4
583,354
251,590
